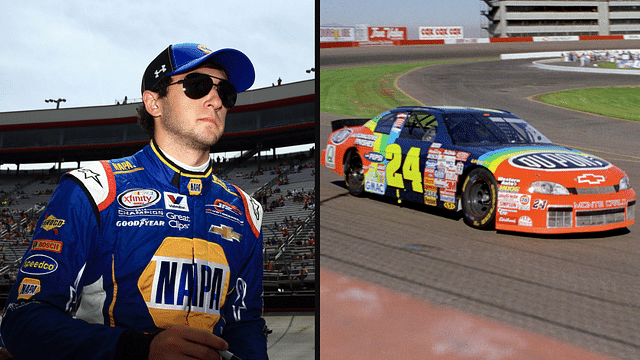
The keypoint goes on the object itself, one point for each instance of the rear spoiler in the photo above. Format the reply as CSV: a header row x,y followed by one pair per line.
x,y
339,124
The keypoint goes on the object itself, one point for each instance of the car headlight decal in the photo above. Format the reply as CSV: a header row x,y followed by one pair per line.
x,y
624,183
548,187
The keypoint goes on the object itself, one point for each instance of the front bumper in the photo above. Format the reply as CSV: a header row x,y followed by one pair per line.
x,y
548,214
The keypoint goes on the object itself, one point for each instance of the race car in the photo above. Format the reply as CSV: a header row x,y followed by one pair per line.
x,y
490,164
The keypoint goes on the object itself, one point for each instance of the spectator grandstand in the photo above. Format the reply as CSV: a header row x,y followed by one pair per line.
x,y
284,184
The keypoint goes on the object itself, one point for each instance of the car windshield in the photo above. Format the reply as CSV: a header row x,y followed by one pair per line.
x,y
472,129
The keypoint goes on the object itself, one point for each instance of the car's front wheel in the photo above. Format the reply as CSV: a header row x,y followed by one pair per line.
x,y
479,198
354,173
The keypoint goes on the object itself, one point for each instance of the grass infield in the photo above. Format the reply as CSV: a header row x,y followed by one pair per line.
x,y
369,90
617,102
365,91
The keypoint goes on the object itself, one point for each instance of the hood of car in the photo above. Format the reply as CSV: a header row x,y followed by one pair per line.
x,y
542,158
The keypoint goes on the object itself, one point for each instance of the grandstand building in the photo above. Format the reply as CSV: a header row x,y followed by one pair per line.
x,y
263,119
529,18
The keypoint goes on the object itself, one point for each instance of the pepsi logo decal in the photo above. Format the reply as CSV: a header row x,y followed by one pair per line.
x,y
374,157
557,161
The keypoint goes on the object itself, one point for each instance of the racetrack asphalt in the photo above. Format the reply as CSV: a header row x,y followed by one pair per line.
x,y
581,290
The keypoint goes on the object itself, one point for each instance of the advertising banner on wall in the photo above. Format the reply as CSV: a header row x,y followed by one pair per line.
x,y
337,33
387,34
440,32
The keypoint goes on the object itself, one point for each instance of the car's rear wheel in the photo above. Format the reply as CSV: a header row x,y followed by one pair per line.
x,y
479,198
354,173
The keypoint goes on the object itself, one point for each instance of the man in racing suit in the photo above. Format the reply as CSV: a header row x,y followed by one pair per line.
x,y
150,256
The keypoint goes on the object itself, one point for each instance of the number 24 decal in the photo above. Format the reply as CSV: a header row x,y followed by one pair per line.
x,y
410,168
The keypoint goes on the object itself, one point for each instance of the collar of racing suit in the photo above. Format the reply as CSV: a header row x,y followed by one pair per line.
x,y
188,181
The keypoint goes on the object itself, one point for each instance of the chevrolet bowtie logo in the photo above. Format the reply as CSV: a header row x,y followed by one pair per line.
x,y
225,232
591,179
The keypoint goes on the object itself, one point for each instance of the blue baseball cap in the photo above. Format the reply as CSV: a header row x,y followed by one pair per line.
x,y
180,58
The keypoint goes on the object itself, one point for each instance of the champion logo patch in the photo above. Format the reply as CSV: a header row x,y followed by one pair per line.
x,y
173,201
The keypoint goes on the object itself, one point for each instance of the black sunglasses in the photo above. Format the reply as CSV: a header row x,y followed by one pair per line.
x,y
198,85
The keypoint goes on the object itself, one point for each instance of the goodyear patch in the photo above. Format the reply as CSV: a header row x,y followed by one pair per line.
x,y
28,287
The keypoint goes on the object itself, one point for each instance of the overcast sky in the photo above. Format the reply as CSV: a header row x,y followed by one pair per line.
x,y
94,52
407,13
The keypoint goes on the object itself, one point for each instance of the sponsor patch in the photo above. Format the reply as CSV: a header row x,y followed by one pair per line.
x,y
507,219
525,221
47,245
375,187
340,136
195,187
140,212
177,221
28,288
225,232
186,282
366,140
556,161
225,210
138,198
39,265
139,223
51,223
123,166
173,201
374,157
591,179
223,206
397,125
330,157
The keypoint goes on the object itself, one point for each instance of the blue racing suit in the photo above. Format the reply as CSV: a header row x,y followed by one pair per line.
x,y
129,246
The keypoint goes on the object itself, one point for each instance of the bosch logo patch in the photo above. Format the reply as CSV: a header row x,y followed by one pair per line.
x,y
47,245
138,198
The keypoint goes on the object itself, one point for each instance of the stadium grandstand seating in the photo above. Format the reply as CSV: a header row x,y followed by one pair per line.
x,y
284,184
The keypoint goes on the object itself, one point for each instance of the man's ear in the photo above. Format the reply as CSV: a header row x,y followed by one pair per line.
x,y
151,103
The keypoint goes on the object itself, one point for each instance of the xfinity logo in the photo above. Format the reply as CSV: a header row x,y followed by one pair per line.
x,y
138,198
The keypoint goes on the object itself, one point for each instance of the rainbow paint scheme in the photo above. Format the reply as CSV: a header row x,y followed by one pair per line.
x,y
495,168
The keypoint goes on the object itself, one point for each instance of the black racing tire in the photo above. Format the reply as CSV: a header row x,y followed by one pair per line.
x,y
354,173
479,199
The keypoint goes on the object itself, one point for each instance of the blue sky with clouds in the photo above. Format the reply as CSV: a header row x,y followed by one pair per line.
x,y
94,52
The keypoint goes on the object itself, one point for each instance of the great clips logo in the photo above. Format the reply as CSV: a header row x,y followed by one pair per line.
x,y
138,198
557,161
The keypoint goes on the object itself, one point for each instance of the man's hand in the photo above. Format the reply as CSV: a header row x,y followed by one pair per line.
x,y
182,342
